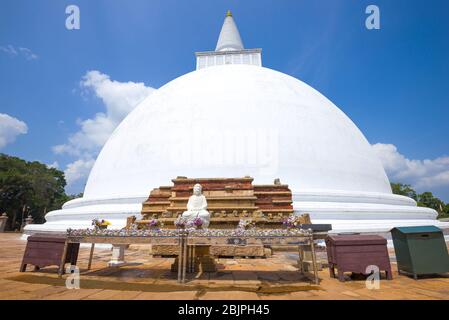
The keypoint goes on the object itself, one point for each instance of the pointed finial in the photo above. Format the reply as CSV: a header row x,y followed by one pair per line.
x,y
229,38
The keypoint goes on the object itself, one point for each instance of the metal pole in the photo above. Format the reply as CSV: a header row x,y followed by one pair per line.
x,y
300,259
193,257
189,258
63,258
184,260
315,269
180,255
91,256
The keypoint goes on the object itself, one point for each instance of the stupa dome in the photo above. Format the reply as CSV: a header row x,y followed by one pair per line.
x,y
232,121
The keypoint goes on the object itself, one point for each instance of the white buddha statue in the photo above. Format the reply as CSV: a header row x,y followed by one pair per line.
x,y
197,205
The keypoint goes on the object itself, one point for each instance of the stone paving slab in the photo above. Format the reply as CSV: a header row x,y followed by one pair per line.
x,y
175,295
73,294
229,295
274,278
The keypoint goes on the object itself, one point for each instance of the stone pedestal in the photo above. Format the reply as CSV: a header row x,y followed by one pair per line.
x,y
28,220
250,250
3,221
118,255
229,250
199,259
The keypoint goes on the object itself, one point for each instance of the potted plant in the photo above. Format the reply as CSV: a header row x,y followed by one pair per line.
x,y
184,223
100,224
155,224
197,223
181,223
292,221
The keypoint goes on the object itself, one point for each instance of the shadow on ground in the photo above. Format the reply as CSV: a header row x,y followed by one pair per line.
x,y
161,280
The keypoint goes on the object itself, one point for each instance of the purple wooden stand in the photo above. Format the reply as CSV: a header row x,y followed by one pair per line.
x,y
47,250
354,253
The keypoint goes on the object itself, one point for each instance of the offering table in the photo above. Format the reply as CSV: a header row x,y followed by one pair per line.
x,y
188,240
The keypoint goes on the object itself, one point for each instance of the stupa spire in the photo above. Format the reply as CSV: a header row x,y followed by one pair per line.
x,y
229,39
229,49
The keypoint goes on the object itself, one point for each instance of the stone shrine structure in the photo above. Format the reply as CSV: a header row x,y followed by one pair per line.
x,y
229,200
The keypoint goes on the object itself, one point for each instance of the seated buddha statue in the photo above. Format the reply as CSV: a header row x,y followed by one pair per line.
x,y
196,206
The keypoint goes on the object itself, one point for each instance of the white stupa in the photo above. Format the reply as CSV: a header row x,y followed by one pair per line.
x,y
231,118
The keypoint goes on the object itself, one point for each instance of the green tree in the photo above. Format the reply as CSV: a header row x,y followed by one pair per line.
x,y
427,199
15,190
404,190
29,188
446,210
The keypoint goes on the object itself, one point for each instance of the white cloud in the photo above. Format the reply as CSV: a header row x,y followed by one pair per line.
x,y
20,51
28,54
119,98
78,170
10,128
428,173
54,165
9,50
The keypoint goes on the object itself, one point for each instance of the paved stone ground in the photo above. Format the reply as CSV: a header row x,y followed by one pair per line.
x,y
150,278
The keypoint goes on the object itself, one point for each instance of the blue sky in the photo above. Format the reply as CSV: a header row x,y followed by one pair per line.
x,y
393,82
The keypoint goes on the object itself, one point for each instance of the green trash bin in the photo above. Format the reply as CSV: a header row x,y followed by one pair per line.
x,y
420,250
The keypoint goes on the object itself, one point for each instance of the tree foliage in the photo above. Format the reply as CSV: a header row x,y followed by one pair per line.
x,y
425,199
404,190
29,188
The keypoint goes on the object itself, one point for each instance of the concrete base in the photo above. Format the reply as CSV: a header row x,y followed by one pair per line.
x,y
118,255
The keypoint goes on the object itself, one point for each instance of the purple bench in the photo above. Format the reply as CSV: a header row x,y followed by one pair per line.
x,y
354,253
47,250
